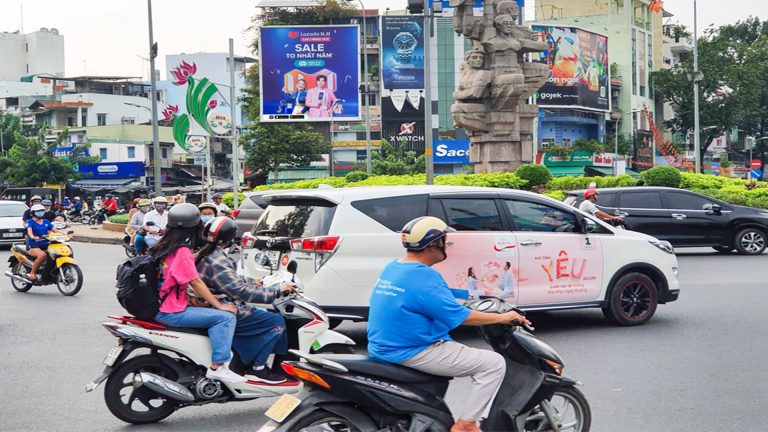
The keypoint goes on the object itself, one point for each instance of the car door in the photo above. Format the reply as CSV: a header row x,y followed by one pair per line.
x,y
557,262
693,221
644,212
482,253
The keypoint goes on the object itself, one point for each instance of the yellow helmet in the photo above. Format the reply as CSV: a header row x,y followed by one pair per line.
x,y
420,232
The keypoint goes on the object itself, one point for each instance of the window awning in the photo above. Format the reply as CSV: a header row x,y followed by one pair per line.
x,y
567,171
103,183
292,175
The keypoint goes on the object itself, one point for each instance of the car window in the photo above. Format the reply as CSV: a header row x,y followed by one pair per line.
x,y
393,212
685,201
297,218
606,199
12,210
258,200
533,216
640,200
472,214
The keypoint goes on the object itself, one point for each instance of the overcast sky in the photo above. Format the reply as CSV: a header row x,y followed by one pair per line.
x,y
104,37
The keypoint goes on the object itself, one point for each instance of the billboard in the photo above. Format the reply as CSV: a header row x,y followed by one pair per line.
x,y
451,152
402,120
310,73
112,170
579,72
402,52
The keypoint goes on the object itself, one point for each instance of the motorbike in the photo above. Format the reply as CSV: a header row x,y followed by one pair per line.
x,y
130,251
59,267
149,387
83,217
357,393
100,216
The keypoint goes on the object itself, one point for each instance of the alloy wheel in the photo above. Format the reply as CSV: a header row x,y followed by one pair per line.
x,y
635,300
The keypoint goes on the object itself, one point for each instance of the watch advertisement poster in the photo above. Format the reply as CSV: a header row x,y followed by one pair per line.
x,y
579,71
402,120
402,52
309,73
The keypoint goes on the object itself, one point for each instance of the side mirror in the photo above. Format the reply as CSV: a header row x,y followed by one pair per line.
x,y
292,267
714,208
588,226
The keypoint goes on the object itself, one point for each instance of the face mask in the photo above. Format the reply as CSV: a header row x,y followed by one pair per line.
x,y
144,209
206,218
160,207
39,214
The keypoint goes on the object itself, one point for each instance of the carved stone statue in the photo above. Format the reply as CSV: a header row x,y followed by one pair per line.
x,y
494,83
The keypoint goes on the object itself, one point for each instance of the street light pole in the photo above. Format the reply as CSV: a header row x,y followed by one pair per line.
x,y
696,79
368,168
428,156
233,131
155,131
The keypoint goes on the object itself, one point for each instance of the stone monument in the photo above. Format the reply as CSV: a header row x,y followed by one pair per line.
x,y
495,82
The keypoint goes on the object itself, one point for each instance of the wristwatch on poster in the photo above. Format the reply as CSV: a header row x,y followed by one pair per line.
x,y
404,43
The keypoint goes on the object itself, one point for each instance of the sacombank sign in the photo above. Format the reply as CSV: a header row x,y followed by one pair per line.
x,y
451,152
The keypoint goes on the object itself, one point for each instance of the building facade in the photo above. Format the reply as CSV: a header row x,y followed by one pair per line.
x,y
39,52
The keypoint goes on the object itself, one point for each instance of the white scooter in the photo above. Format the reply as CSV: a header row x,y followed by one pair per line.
x,y
168,370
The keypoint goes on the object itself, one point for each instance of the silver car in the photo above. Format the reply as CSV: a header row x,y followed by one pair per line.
x,y
11,225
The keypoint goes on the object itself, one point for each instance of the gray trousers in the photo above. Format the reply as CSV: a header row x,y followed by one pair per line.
x,y
485,367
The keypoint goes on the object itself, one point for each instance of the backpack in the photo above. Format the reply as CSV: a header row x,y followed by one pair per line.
x,y
138,286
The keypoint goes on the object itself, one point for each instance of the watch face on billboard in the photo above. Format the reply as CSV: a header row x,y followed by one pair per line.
x,y
310,73
402,52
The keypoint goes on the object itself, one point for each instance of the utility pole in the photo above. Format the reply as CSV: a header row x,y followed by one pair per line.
x,y
233,131
428,154
696,78
155,131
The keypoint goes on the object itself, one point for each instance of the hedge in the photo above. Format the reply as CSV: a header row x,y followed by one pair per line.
x,y
119,219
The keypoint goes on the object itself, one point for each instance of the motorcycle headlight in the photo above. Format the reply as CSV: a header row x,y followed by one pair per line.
x,y
664,246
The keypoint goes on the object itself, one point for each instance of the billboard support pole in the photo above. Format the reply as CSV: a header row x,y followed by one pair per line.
x,y
429,157
233,131
155,131
364,47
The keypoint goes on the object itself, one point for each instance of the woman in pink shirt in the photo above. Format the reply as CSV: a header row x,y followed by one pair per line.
x,y
179,272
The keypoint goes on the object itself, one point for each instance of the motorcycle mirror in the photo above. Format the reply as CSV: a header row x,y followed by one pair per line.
x,y
292,267
150,223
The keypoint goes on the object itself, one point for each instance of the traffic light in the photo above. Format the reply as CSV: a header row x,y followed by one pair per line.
x,y
416,6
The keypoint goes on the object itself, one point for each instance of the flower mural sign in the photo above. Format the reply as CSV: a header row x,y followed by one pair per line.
x,y
204,112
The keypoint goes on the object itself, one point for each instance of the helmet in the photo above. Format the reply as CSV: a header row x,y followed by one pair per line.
x,y
77,198
220,230
144,202
108,195
46,202
420,232
161,199
183,215
36,198
136,201
37,207
216,196
589,193
208,205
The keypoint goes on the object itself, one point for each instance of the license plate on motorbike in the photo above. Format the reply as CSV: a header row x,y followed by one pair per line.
x,y
109,360
282,408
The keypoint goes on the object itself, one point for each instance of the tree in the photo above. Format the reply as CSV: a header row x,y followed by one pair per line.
x,y
392,161
268,146
734,91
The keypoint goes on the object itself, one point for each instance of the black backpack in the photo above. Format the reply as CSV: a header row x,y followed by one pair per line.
x,y
138,286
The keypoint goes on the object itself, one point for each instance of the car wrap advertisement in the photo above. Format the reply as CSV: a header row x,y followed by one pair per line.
x,y
579,72
310,73
565,267
402,52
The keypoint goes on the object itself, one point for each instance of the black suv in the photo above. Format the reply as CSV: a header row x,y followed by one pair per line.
x,y
685,218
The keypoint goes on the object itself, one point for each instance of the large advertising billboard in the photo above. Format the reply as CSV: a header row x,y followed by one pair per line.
x,y
402,120
402,52
579,72
310,73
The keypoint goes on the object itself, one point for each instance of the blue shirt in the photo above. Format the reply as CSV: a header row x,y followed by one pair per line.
x,y
39,230
411,308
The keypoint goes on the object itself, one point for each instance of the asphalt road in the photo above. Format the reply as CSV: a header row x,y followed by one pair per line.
x,y
698,365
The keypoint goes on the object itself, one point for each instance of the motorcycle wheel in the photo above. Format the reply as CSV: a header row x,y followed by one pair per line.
x,y
20,286
324,420
571,411
73,280
138,405
129,251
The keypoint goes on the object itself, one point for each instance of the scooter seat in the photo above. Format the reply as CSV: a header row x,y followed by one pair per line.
x,y
21,248
197,331
391,371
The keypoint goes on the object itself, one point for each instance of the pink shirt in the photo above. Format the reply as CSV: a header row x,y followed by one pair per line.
x,y
179,270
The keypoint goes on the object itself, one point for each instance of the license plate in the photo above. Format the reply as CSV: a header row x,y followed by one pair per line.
x,y
283,407
109,360
13,235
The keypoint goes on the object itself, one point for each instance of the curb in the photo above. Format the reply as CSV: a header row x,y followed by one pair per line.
x,y
98,240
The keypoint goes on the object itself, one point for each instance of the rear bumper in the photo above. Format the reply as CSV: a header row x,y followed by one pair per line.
x,y
670,296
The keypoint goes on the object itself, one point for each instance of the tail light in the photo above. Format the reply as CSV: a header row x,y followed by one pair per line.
x,y
323,247
235,213
247,241
304,375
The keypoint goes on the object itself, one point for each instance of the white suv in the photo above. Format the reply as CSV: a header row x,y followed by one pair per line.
x,y
532,250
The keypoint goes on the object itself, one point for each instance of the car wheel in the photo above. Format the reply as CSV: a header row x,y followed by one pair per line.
x,y
750,241
633,300
723,249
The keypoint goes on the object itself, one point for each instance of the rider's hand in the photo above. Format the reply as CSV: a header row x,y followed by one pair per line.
x,y
514,317
228,308
288,287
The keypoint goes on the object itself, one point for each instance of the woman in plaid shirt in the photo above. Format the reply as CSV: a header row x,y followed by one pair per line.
x,y
258,333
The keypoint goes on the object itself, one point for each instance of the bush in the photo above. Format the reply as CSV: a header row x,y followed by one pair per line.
x,y
229,198
119,219
556,194
534,174
356,176
662,176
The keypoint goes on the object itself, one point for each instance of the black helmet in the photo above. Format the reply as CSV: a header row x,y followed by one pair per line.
x,y
219,230
217,196
108,195
183,215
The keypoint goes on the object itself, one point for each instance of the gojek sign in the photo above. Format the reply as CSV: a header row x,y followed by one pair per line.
x,y
451,152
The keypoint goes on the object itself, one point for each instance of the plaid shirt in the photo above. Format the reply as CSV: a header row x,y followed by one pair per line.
x,y
219,274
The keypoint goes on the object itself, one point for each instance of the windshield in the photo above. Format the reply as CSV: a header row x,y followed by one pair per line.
x,y
12,210
297,218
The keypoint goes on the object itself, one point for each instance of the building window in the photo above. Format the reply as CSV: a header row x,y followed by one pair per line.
x,y
103,153
164,152
131,152
27,68
84,117
634,62
101,119
71,122
26,47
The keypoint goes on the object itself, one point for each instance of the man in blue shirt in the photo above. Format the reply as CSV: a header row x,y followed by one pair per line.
x,y
412,310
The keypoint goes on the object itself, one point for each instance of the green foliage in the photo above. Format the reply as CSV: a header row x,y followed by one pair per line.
x,y
623,147
556,194
534,174
662,176
560,151
229,198
500,180
593,146
391,161
269,146
119,219
355,176
724,162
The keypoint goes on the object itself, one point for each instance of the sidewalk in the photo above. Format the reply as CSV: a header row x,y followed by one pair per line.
x,y
94,234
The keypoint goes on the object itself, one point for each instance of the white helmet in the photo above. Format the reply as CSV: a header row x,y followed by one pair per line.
x,y
38,207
